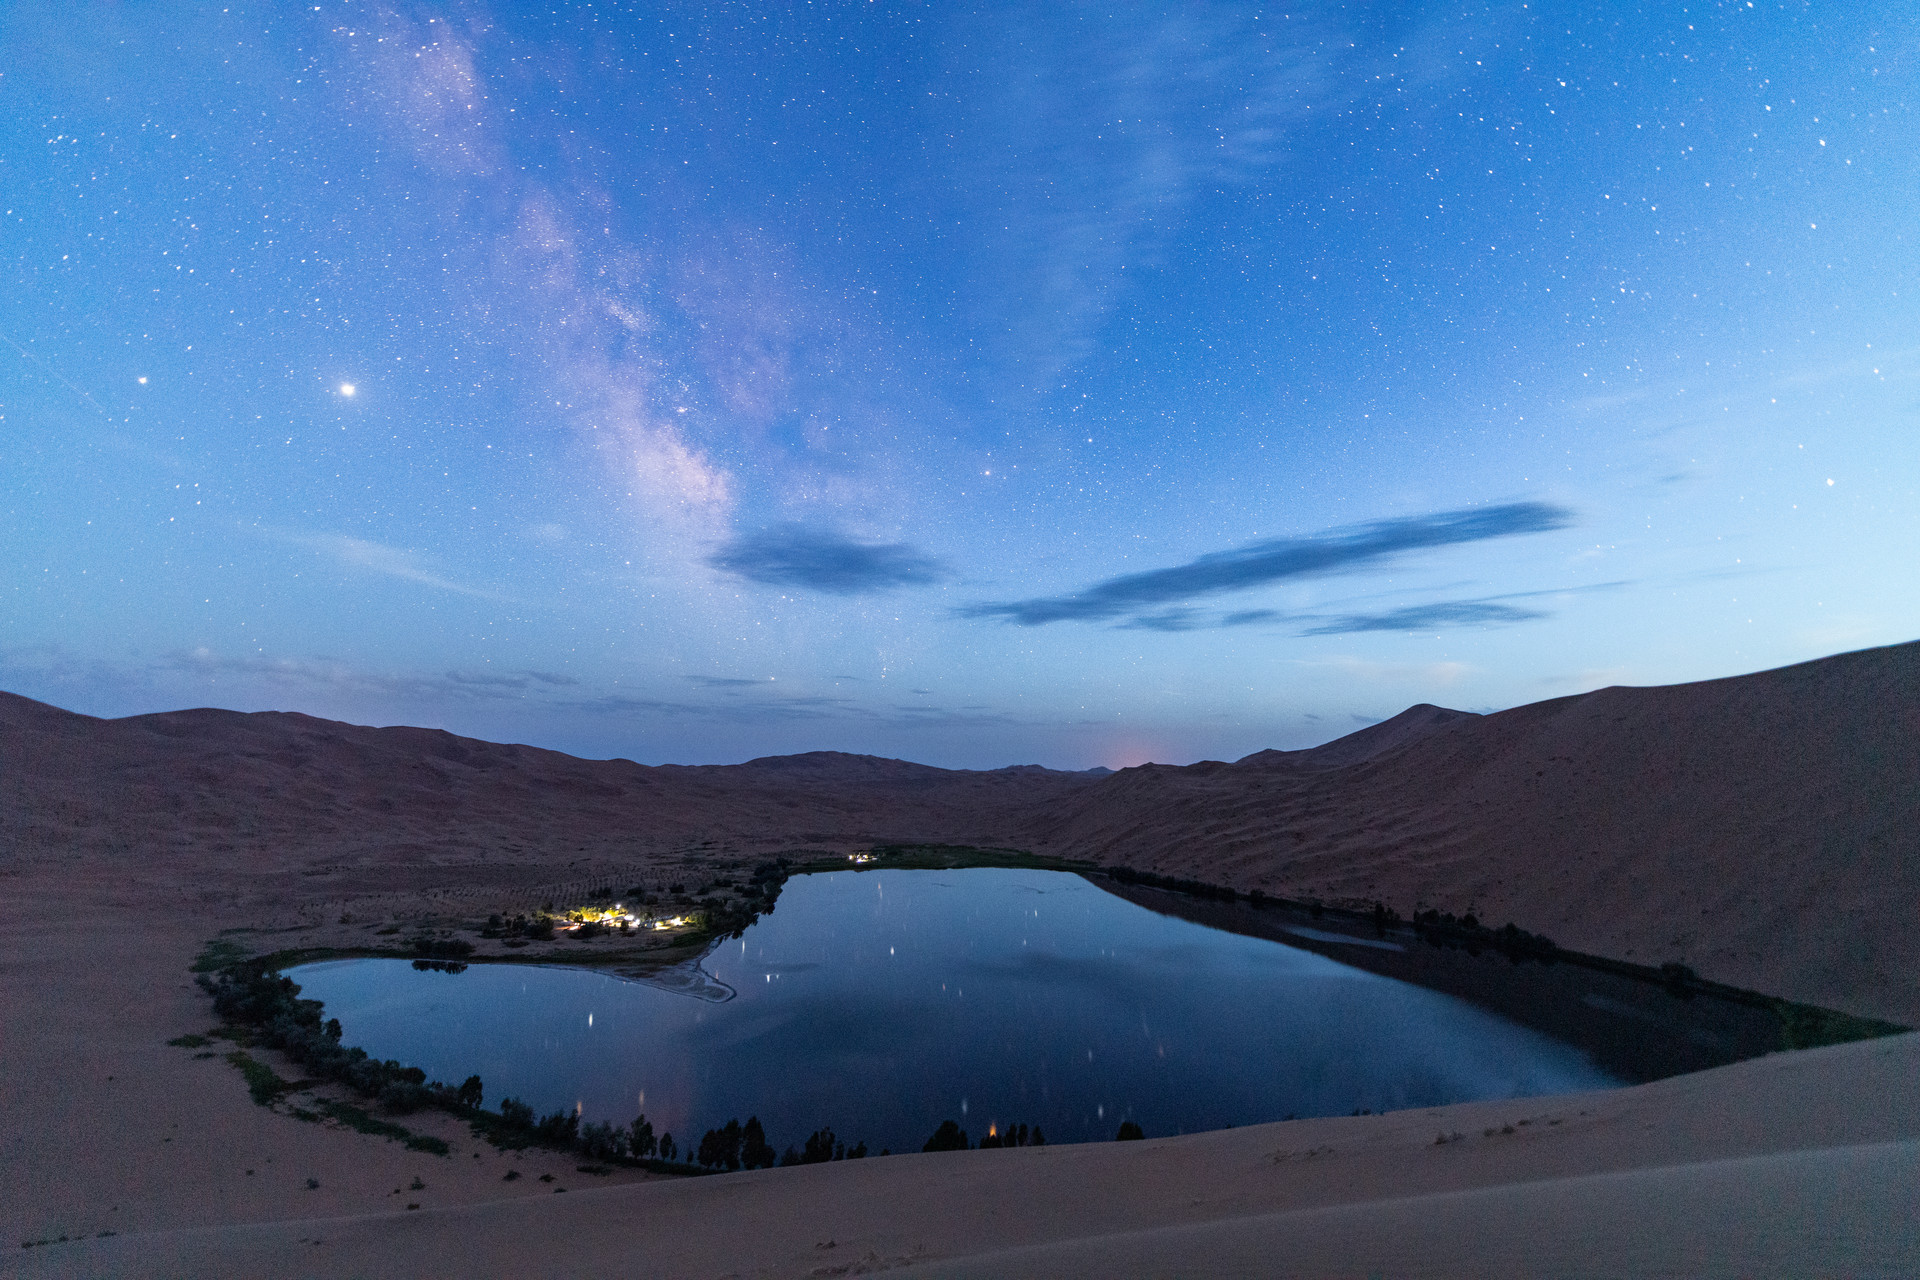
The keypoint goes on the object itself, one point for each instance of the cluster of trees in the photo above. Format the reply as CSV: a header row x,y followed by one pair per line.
x,y
730,1147
1442,929
738,1146
442,948
270,1004
718,911
821,1147
538,926
951,1137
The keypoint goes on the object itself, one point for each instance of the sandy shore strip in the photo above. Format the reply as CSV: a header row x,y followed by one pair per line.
x,y
1785,1165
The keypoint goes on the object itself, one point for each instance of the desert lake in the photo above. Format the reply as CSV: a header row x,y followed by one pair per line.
x,y
879,1003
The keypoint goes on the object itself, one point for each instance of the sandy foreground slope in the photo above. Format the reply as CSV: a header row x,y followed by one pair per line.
x,y
1761,829
1793,1164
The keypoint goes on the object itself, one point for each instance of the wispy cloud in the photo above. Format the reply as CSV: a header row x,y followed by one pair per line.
x,y
1154,595
788,708
322,675
814,559
1426,617
378,557
511,679
1169,620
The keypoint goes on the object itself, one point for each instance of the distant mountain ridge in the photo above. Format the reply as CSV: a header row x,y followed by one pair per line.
x,y
1764,829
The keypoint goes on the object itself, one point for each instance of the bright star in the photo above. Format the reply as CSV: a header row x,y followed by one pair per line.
x,y
346,388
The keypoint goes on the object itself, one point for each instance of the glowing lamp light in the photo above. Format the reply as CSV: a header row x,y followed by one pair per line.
x,y
346,389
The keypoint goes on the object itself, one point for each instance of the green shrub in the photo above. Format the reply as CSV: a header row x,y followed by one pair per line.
x,y
262,1083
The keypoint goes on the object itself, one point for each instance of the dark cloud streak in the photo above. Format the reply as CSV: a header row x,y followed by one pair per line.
x,y
1426,617
793,555
1268,562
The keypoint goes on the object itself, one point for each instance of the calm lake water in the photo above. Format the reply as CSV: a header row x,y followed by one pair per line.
x,y
880,1003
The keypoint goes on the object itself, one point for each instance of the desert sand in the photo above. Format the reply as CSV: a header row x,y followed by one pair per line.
x,y
1758,829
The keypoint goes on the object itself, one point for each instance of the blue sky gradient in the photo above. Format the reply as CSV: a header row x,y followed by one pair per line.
x,y
1049,382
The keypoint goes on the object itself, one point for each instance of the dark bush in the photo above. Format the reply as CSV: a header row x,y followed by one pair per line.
x,y
456,948
755,1151
1129,1132
820,1147
1442,929
641,1140
948,1137
601,1141
403,1097
559,1129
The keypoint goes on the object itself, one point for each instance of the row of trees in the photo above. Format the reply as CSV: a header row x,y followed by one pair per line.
x,y
738,1146
269,1004
951,1137
1441,929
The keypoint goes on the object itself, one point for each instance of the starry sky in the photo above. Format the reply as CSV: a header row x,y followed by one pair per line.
x,y
1054,382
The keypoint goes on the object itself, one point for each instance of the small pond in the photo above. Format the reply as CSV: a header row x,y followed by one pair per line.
x,y
879,1003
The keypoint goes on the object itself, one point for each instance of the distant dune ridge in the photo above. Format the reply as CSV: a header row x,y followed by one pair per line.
x,y
1763,829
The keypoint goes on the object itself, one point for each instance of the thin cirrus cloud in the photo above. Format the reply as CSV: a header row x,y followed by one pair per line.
x,y
1154,599
815,559
376,557
1426,617
322,675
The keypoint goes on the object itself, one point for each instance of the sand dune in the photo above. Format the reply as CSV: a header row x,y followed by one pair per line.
x,y
1759,829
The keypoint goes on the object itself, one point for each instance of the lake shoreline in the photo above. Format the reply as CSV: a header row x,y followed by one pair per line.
x,y
1641,1023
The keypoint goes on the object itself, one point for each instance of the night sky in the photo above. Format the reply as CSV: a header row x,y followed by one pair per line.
x,y
1047,383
